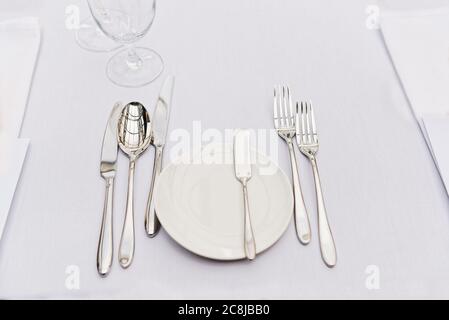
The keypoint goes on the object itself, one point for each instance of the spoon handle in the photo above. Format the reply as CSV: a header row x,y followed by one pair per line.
x,y
151,222
126,251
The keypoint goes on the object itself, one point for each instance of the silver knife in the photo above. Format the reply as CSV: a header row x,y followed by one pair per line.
x,y
108,168
160,124
242,165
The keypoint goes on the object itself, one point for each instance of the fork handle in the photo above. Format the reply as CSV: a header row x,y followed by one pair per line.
x,y
327,244
301,217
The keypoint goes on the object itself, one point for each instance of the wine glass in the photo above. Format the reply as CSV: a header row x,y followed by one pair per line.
x,y
126,21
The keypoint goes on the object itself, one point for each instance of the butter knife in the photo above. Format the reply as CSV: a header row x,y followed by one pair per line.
x,y
242,165
160,124
108,168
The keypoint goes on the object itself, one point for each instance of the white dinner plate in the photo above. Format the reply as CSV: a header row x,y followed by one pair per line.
x,y
201,205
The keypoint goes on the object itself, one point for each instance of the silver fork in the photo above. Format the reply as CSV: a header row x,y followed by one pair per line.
x,y
284,122
307,139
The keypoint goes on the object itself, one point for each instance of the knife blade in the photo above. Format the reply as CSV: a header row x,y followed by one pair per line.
x,y
108,168
109,149
162,113
160,124
242,166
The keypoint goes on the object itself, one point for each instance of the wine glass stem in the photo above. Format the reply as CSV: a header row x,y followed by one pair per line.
x,y
133,60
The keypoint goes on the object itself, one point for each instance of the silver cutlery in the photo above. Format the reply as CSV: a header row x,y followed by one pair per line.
x,y
159,123
242,164
108,168
134,136
307,140
284,122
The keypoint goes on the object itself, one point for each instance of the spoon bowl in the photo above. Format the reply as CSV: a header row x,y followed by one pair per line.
x,y
134,129
134,137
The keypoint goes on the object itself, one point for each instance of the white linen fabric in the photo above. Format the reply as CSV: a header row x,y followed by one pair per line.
x,y
19,41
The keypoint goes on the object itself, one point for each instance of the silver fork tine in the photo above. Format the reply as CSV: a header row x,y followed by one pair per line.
x,y
284,100
309,131
275,110
290,104
297,122
303,124
312,117
281,109
306,124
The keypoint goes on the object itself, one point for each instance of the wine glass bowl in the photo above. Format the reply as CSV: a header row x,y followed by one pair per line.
x,y
125,26
90,37
126,22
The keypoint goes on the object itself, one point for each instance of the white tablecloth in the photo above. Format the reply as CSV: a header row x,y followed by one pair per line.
x,y
386,203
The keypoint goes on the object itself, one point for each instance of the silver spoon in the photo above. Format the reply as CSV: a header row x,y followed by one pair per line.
x,y
134,136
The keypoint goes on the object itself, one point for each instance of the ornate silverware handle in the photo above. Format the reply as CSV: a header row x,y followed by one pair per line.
x,y
152,225
327,244
126,252
105,244
250,243
301,216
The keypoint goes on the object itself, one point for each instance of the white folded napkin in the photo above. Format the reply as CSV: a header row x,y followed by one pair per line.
x,y
418,42
437,133
11,162
19,43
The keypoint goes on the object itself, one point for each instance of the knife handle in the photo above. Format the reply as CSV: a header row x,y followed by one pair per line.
x,y
126,250
105,244
250,243
152,224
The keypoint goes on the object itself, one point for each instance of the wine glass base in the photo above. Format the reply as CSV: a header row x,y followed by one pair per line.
x,y
91,38
120,72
